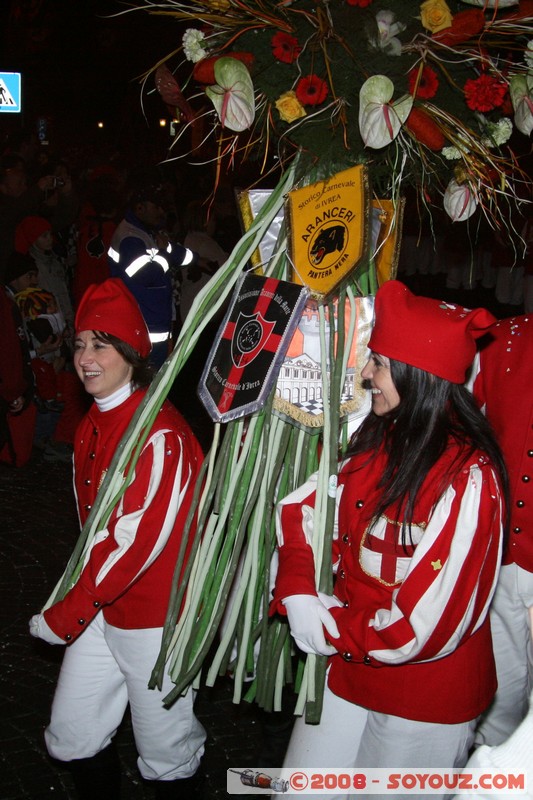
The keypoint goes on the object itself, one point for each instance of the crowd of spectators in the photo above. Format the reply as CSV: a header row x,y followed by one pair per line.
x,y
62,217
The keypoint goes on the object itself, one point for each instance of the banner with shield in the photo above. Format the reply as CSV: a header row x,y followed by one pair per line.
x,y
251,342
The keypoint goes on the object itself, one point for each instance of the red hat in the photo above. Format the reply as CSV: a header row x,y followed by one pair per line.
x,y
111,308
28,231
432,335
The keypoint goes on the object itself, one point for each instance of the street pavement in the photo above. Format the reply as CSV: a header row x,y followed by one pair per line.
x,y
38,530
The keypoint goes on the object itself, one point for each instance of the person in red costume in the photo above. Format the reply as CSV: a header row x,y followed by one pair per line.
x,y
416,554
503,387
112,618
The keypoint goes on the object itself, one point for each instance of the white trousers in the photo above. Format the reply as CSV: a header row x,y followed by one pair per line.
x,y
102,671
351,736
513,650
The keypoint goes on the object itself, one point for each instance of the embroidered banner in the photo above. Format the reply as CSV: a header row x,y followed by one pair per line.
x,y
250,345
250,202
386,248
328,228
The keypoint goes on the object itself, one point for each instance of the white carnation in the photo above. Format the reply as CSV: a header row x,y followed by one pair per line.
x,y
451,153
497,133
193,41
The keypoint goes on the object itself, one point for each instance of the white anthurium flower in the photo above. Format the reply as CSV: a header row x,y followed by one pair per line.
x,y
388,29
379,119
492,3
233,94
460,201
521,90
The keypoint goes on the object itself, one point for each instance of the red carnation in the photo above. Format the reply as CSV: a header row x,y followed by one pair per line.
x,y
484,93
423,128
427,85
285,47
360,3
465,24
311,90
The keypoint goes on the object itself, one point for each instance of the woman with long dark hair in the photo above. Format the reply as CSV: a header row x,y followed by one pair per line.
x,y
420,524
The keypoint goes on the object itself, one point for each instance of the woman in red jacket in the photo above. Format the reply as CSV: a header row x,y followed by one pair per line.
x,y
112,618
416,554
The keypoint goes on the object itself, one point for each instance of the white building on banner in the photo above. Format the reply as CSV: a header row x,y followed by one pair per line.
x,y
300,376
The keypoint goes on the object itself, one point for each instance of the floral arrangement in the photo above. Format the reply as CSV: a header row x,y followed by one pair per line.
x,y
437,95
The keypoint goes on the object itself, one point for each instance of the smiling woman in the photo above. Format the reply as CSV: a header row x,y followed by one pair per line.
x,y
385,396
112,617
99,365
419,513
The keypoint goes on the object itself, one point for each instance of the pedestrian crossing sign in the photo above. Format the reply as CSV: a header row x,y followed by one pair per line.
x,y
10,92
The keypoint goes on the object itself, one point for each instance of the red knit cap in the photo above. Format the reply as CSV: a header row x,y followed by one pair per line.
x,y
111,308
432,335
28,230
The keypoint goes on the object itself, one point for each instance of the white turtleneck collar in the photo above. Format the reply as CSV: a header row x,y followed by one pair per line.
x,y
115,399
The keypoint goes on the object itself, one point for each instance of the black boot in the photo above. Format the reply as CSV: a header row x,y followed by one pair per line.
x,y
97,778
181,789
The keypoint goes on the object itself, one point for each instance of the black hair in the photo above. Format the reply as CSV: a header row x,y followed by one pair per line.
x,y
18,264
195,216
143,373
416,433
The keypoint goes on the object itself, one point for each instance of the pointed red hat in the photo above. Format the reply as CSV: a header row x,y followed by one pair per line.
x,y
110,307
430,334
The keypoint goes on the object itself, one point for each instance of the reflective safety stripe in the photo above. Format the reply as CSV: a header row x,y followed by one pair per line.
x,y
159,337
144,260
114,255
189,256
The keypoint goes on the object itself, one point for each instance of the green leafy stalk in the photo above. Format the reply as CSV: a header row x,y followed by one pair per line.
x,y
204,307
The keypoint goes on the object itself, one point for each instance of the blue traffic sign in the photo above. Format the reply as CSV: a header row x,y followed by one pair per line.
x,y
10,96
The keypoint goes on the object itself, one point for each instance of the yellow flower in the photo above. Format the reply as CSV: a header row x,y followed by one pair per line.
x,y
435,15
219,5
289,107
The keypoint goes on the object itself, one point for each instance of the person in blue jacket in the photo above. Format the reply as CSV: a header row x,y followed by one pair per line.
x,y
142,255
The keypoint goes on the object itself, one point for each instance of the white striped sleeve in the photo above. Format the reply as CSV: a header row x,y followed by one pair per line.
x,y
451,578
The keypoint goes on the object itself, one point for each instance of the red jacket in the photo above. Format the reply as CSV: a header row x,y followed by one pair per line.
x,y
504,389
414,634
130,564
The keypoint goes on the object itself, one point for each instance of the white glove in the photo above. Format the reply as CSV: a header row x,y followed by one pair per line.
x,y
307,619
42,630
329,600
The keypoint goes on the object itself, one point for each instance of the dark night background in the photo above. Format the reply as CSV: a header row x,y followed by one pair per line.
x,y
81,63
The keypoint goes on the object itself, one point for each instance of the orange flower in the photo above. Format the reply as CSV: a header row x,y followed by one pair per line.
x,y
465,24
424,129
